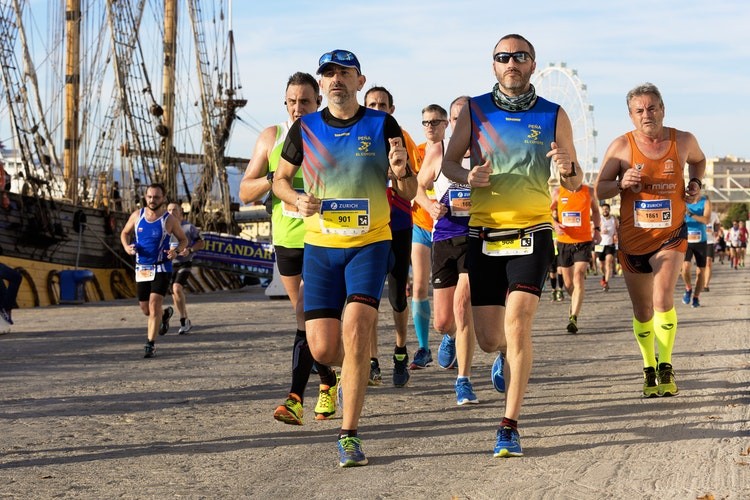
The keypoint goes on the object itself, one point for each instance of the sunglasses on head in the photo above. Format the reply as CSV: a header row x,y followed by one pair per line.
x,y
433,123
519,57
336,56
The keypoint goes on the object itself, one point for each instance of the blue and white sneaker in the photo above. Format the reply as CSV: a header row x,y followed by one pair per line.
x,y
350,452
447,353
422,358
465,392
498,380
508,443
686,296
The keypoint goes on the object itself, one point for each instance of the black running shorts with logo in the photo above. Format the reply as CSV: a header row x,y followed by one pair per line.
x,y
159,286
492,278
289,260
606,250
181,273
570,253
699,251
448,261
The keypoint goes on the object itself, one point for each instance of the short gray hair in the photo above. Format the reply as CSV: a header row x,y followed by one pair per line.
x,y
642,89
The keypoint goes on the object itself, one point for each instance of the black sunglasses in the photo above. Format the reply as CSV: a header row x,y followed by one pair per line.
x,y
434,123
519,57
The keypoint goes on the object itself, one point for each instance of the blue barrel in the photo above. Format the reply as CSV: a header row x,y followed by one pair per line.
x,y
73,285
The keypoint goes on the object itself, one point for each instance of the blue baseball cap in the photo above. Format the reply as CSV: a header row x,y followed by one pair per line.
x,y
340,58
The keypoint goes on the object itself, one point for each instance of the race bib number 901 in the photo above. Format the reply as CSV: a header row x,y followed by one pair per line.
x,y
347,217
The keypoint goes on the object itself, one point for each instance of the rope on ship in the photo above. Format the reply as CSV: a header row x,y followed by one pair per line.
x,y
111,250
32,285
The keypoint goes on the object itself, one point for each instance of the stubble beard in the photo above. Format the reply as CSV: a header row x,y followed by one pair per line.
x,y
514,84
341,97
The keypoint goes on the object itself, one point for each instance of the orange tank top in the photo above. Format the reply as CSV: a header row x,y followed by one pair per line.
x,y
653,212
574,212
420,216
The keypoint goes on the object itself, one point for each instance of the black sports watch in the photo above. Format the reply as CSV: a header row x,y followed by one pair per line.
x,y
269,177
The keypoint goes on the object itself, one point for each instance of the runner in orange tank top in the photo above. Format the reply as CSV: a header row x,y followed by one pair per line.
x,y
572,213
646,168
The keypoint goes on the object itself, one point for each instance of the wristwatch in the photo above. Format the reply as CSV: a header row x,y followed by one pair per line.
x,y
269,177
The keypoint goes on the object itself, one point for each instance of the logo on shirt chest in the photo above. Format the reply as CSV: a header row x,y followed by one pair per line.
x,y
534,132
364,146
669,167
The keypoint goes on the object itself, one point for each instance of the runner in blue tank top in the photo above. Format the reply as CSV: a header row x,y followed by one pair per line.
x,y
152,226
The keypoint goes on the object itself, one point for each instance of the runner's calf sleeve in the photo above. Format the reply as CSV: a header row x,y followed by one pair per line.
x,y
302,362
420,312
644,335
665,327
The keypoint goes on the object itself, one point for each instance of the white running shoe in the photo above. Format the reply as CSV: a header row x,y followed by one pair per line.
x,y
185,328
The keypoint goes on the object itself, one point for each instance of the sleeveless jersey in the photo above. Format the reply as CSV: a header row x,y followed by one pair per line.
x,y
152,242
516,144
421,216
608,230
696,231
347,168
192,234
653,212
733,237
574,212
457,198
286,230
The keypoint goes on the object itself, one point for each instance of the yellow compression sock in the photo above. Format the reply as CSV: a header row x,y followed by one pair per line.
x,y
644,335
665,328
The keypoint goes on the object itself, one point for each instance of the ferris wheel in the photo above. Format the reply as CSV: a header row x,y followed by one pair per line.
x,y
561,85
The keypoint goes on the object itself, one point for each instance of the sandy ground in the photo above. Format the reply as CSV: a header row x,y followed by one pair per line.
x,y
85,416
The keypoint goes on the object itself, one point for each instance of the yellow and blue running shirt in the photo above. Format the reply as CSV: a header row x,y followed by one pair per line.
x,y
345,164
516,143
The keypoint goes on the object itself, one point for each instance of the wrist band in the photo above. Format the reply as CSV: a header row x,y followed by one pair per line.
x,y
572,171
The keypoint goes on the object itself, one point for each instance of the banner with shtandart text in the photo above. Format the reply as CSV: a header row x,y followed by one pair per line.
x,y
254,257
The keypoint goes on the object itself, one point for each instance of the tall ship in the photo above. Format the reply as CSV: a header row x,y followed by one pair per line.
x,y
100,99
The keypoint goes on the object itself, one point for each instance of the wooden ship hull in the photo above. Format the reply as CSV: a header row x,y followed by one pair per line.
x,y
57,223
42,239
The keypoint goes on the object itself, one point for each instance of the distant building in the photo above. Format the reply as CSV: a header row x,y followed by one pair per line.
x,y
727,180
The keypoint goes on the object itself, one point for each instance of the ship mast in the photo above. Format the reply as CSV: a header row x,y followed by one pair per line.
x,y
72,92
168,158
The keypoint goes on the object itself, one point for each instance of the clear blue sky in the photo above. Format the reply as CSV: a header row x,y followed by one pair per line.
x,y
696,52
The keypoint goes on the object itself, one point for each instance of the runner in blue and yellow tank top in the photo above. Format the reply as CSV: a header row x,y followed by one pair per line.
x,y
347,154
512,134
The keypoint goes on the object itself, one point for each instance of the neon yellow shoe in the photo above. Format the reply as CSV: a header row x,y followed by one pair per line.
x,y
667,383
326,407
650,386
291,411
